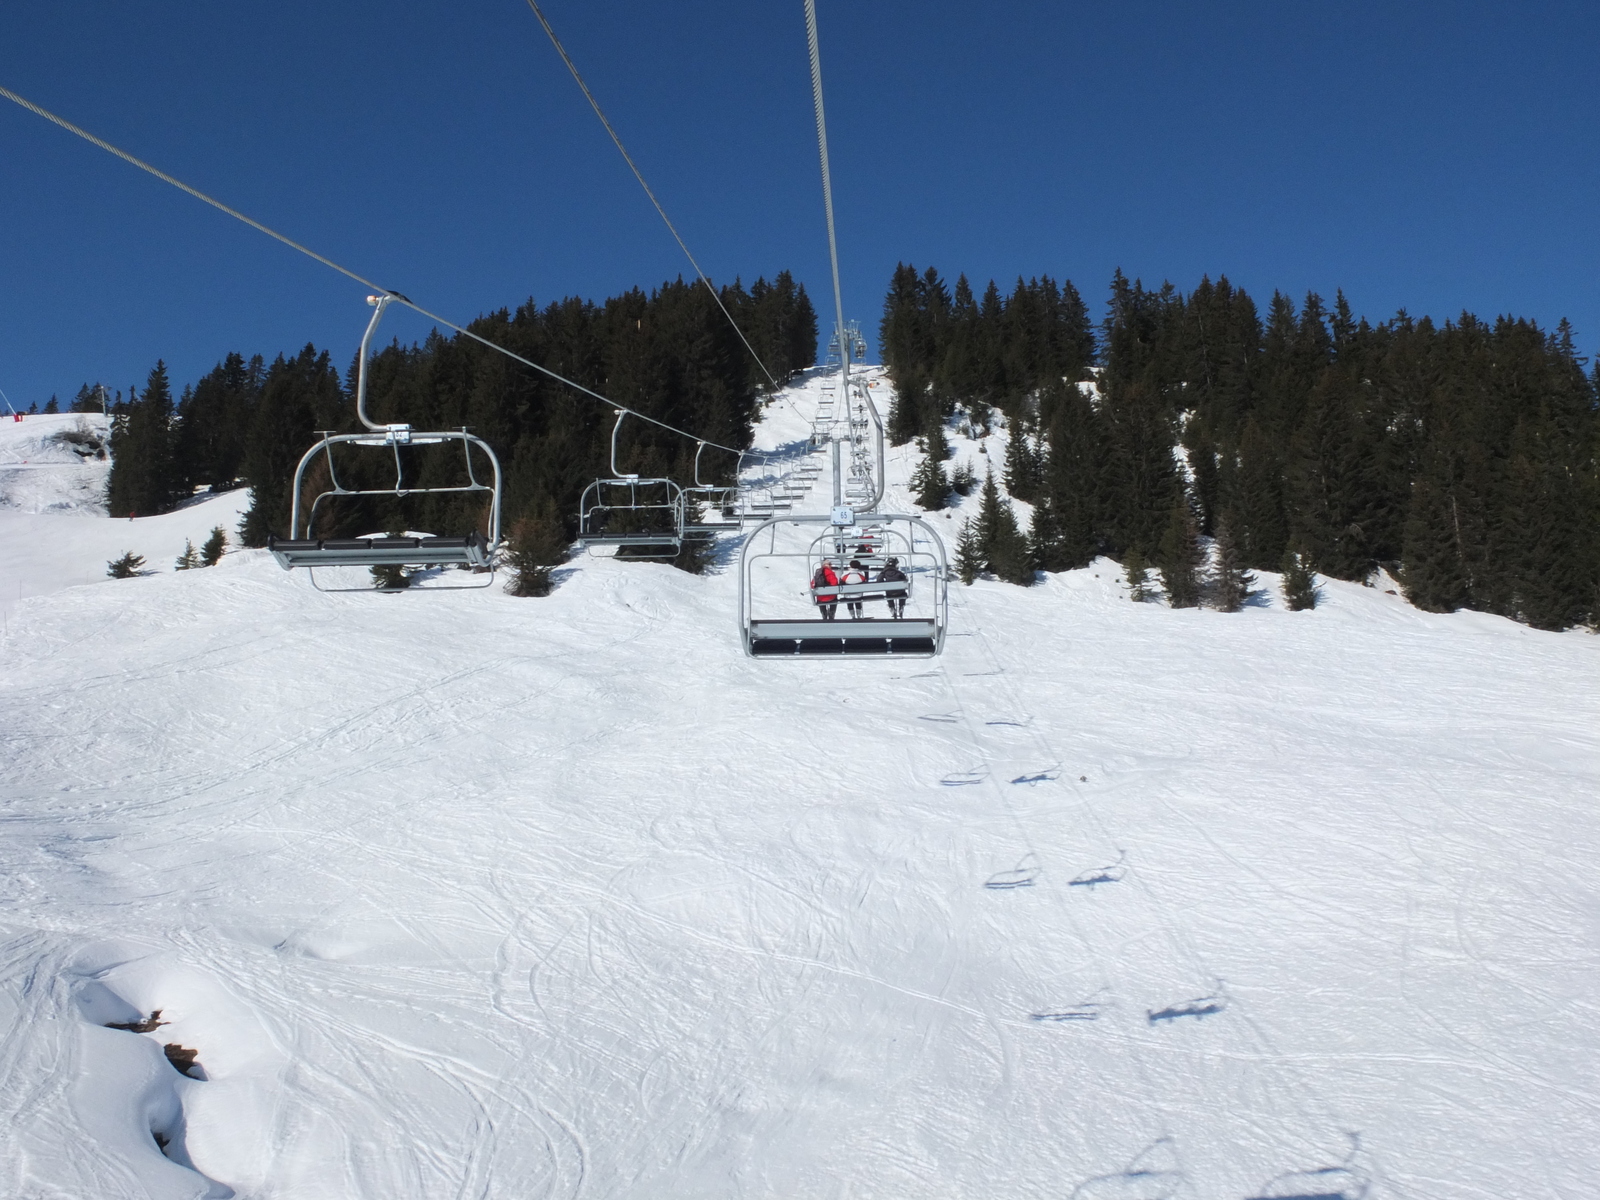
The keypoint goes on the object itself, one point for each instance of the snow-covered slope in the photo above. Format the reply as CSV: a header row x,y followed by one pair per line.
x,y
54,532
54,462
465,895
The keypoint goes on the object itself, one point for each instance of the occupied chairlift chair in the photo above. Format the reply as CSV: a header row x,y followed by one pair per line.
x,y
910,539
475,551
658,505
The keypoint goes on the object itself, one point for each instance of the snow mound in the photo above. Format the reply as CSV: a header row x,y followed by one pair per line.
x,y
54,463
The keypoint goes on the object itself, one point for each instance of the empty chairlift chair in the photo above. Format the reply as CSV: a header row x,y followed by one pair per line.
x,y
709,508
780,606
627,514
475,550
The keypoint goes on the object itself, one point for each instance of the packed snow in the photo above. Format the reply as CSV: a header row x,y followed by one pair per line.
x,y
458,894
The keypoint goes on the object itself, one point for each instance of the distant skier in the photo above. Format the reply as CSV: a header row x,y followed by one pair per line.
x,y
892,573
854,573
826,576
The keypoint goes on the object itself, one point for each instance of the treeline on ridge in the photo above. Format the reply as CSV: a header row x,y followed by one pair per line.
x,y
1462,457
670,354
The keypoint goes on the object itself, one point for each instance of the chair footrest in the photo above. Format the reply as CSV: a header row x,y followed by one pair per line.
x,y
842,629
472,550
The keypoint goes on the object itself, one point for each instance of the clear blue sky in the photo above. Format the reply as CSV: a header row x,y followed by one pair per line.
x,y
1431,156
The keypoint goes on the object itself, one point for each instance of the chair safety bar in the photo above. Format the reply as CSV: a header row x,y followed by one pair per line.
x,y
895,589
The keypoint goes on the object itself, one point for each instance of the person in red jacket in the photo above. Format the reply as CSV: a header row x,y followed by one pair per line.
x,y
826,576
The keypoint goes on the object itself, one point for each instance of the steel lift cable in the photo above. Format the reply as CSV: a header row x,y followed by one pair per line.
x,y
345,271
827,206
859,452
824,637
827,176
639,175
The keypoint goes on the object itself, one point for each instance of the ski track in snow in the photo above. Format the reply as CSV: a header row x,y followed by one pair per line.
x,y
469,896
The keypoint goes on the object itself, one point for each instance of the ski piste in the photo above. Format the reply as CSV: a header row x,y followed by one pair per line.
x,y
467,894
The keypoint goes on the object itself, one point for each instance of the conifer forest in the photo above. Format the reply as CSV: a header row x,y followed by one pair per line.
x,y
670,354
1461,456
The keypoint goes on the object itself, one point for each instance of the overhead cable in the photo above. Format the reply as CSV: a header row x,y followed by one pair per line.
x,y
637,174
345,271
827,177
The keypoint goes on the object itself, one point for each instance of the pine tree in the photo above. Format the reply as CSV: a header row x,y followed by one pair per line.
x,y
126,567
144,478
1045,548
1022,462
390,577
1003,548
1011,557
1180,557
211,552
969,553
1231,583
929,486
88,399
188,560
1071,478
1138,476
963,479
1299,581
1138,576
990,508
1253,491
299,395
52,406
1431,571
536,546
695,555
1329,479
214,421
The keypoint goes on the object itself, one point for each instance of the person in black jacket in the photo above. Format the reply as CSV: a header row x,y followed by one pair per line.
x,y
892,573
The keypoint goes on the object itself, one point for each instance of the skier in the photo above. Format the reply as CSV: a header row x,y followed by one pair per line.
x,y
826,576
855,573
892,573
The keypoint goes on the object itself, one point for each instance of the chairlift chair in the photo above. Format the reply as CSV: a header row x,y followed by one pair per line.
x,y
778,607
655,508
872,547
710,508
475,551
